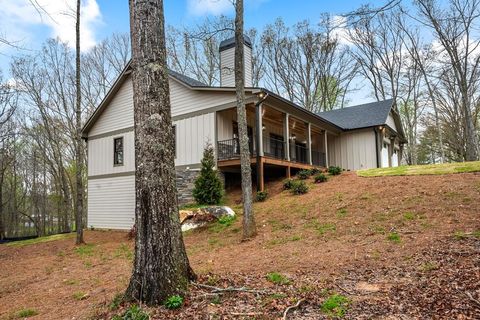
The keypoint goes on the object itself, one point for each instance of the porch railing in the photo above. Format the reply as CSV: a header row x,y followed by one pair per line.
x,y
273,147
319,159
230,149
298,153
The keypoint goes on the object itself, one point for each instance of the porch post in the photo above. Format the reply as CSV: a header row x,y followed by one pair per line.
x,y
326,149
259,129
259,145
309,143
286,136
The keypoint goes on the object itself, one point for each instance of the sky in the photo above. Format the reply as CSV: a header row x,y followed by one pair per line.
x,y
28,27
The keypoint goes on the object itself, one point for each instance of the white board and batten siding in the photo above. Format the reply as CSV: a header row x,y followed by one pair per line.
x,y
353,150
111,202
111,189
391,122
192,134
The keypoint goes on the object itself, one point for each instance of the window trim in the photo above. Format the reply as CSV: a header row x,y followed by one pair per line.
x,y
115,152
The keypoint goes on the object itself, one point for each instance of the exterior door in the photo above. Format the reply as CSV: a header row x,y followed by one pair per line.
x,y
385,155
395,158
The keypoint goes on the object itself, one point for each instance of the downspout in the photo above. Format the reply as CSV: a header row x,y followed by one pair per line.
x,y
263,96
376,147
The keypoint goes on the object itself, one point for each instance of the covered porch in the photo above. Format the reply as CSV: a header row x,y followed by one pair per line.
x,y
276,139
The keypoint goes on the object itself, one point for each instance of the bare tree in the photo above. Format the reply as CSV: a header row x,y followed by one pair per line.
x,y
308,65
454,27
79,142
249,228
161,266
379,51
422,59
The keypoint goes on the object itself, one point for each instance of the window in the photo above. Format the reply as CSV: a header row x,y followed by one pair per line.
x,y
118,151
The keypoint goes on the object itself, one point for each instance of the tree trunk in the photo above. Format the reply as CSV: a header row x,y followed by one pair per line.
x,y
78,146
161,266
2,226
249,229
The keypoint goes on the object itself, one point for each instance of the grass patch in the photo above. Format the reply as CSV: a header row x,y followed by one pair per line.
x,y
173,302
430,169
54,237
277,225
428,266
222,223
366,196
342,212
274,242
85,250
116,301
133,313
80,295
409,216
26,313
70,282
192,206
335,305
124,251
394,237
278,278
322,228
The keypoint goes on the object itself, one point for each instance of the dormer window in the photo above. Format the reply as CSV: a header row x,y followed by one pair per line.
x,y
118,151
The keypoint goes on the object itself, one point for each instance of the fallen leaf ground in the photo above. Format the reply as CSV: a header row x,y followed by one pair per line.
x,y
402,247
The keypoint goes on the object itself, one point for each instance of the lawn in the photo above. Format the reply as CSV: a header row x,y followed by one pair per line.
x,y
41,239
351,247
430,169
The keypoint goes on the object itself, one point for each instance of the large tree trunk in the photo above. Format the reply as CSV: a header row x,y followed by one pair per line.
x,y
161,266
2,226
78,146
249,229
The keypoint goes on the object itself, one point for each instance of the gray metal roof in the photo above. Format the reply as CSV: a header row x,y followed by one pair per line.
x,y
183,78
360,116
230,43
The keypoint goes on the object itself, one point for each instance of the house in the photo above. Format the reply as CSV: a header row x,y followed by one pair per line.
x,y
284,137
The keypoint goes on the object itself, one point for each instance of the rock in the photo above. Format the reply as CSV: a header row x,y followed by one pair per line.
x,y
191,219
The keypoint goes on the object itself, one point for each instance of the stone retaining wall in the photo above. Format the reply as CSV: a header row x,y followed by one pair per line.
x,y
186,182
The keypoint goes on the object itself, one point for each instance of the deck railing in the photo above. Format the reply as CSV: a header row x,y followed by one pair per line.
x,y
230,149
298,153
274,148
319,159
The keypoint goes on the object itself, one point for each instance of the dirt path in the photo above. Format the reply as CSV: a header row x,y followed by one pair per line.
x,y
344,232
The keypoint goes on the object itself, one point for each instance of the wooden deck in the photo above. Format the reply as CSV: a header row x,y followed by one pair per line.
x,y
267,160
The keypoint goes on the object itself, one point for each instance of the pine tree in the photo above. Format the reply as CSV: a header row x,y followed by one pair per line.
x,y
208,186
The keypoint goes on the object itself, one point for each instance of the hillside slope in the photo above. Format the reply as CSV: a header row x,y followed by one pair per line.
x,y
391,245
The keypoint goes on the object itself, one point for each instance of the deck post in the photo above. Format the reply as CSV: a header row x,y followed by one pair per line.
x,y
309,143
326,149
288,172
286,136
260,176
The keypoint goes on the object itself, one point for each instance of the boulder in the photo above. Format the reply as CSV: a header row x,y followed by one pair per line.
x,y
191,219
